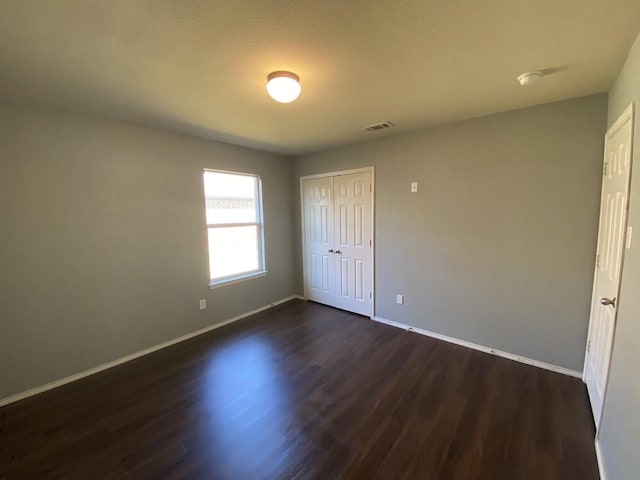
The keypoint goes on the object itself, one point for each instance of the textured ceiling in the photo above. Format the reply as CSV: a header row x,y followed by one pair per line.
x,y
199,67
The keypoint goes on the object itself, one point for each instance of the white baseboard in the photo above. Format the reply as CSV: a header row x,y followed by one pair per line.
x,y
475,346
138,354
599,459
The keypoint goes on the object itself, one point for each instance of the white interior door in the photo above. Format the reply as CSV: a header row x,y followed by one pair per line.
x,y
338,240
353,243
611,244
319,238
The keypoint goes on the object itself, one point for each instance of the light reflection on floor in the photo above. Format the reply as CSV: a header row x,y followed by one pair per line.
x,y
248,406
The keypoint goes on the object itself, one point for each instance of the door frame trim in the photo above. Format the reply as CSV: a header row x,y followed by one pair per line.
x,y
372,171
626,116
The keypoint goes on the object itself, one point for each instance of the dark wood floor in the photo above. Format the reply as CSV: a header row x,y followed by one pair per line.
x,y
305,391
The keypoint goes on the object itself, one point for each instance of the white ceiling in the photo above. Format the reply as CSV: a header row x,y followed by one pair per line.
x,y
200,66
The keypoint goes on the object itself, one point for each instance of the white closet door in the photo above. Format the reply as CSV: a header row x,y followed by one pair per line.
x,y
353,248
338,249
319,238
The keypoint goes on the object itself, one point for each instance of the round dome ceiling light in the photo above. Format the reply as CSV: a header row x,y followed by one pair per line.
x,y
529,78
283,87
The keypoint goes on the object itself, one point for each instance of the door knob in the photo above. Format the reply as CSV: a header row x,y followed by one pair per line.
x,y
331,250
608,301
338,251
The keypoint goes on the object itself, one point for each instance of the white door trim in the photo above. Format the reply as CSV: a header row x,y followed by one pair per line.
x,y
371,170
626,116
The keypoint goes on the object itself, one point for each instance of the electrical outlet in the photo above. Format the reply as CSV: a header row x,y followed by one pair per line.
x,y
414,187
203,304
400,299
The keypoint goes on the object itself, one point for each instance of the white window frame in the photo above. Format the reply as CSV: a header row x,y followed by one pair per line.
x,y
259,223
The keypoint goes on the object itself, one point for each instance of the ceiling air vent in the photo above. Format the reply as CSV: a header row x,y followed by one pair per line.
x,y
378,127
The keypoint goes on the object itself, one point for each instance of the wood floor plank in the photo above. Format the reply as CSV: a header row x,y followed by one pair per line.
x,y
306,391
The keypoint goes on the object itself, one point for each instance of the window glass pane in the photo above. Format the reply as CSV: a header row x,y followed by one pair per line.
x,y
230,198
233,250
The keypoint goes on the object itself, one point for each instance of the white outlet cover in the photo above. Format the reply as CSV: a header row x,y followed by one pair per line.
x,y
414,187
203,304
400,299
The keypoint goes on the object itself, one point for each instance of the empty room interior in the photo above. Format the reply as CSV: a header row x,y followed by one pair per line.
x,y
335,239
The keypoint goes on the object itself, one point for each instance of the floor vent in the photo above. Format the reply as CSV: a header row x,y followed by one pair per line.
x,y
377,127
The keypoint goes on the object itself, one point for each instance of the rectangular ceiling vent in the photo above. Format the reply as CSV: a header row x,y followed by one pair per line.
x,y
378,127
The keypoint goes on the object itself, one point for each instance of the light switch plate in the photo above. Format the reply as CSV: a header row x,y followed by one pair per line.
x,y
400,299
414,187
203,304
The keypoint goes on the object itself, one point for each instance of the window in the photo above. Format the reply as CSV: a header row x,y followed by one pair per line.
x,y
234,221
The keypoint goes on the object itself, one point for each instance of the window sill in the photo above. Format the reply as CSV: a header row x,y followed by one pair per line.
x,y
241,278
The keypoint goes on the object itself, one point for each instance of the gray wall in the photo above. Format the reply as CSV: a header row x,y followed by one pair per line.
x,y
498,246
620,427
103,249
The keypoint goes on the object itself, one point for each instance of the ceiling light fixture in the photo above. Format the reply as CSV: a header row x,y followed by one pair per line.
x,y
528,78
283,87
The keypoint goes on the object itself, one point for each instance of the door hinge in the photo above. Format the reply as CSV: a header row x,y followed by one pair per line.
x,y
370,188
370,244
370,295
598,261
589,345
604,170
